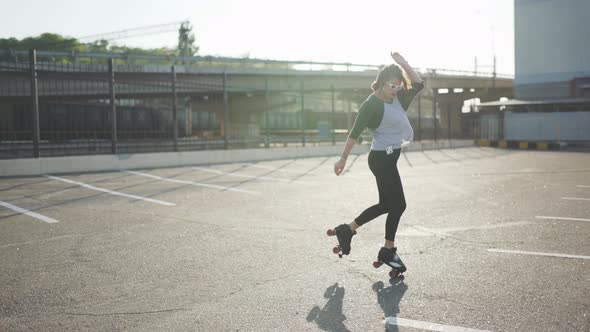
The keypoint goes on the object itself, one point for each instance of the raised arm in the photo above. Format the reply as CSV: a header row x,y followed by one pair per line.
x,y
412,74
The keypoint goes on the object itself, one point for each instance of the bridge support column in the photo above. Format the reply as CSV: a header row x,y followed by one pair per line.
x,y
332,132
266,114
188,117
302,114
449,121
434,94
419,117
225,121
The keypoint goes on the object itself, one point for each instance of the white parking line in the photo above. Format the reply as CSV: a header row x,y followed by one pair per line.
x,y
538,253
576,198
418,230
214,171
272,168
198,184
581,186
561,218
278,169
116,193
396,321
29,213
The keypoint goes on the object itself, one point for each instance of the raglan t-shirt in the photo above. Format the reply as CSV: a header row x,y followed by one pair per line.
x,y
387,121
394,129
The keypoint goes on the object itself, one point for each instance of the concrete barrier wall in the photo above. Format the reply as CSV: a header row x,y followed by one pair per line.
x,y
547,126
99,163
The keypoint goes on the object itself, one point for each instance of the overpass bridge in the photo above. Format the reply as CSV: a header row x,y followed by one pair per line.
x,y
173,97
197,75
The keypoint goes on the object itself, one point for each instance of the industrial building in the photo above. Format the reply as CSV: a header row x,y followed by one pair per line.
x,y
551,105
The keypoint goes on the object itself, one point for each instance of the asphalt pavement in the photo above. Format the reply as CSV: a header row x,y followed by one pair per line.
x,y
494,240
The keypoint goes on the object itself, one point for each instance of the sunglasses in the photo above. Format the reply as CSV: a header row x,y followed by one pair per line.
x,y
395,87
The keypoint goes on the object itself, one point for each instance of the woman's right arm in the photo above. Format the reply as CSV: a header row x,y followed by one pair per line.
x,y
360,123
339,165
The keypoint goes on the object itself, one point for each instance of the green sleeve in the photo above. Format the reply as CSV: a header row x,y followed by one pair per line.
x,y
406,97
362,120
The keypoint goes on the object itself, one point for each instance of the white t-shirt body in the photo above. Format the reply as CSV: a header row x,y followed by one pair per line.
x,y
394,130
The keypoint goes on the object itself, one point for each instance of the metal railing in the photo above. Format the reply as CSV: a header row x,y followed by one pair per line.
x,y
211,61
110,114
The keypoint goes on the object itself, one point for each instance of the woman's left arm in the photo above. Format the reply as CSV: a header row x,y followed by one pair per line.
x,y
406,96
412,74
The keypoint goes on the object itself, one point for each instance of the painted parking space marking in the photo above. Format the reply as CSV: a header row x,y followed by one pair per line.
x,y
192,183
286,171
270,168
108,191
562,218
28,213
417,324
582,186
576,198
533,253
418,230
261,177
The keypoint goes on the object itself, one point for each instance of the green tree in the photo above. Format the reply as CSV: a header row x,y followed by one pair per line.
x,y
98,46
45,41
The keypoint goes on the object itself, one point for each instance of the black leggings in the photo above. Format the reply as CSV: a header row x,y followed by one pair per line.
x,y
391,192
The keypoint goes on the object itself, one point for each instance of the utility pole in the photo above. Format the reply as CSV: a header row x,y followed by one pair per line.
x,y
302,113
35,102
174,110
113,106
184,30
185,41
494,77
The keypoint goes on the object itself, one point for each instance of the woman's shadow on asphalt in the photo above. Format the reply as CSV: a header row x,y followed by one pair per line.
x,y
331,318
389,299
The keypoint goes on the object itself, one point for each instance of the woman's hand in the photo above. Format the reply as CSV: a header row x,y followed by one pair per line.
x,y
339,166
398,58
412,74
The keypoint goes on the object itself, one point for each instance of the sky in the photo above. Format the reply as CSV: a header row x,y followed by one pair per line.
x,y
428,33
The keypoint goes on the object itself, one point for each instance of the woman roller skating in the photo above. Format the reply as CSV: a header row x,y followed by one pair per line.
x,y
384,113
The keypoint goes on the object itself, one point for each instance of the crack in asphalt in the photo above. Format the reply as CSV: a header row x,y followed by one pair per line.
x,y
260,283
364,275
